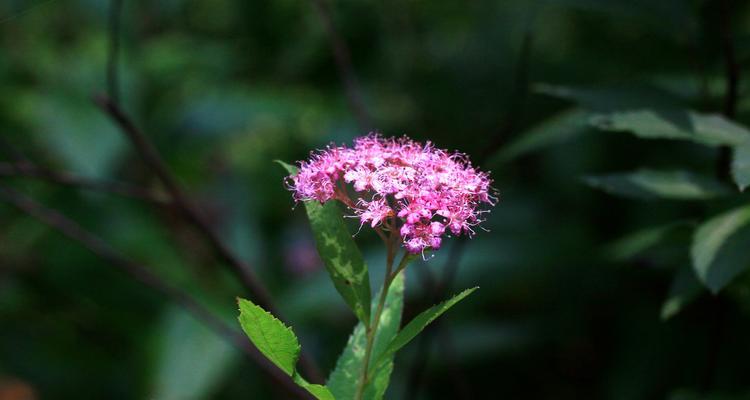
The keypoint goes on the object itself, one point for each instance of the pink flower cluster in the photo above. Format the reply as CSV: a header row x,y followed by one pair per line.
x,y
400,186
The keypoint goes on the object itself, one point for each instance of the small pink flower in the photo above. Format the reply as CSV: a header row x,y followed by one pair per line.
x,y
374,211
401,185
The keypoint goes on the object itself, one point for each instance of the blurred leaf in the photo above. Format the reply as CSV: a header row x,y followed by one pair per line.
x,y
253,110
719,249
708,129
665,17
191,361
340,254
612,98
137,235
637,242
476,340
344,378
741,166
415,326
685,289
650,184
277,342
685,394
19,237
310,297
75,132
551,131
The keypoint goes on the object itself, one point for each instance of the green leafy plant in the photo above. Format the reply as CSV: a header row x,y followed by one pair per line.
x,y
719,245
411,195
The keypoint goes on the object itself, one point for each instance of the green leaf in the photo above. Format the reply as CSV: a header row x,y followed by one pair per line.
x,y
319,391
685,289
344,378
340,254
640,241
649,184
611,98
554,130
87,142
191,359
741,166
277,342
708,129
413,328
719,250
274,339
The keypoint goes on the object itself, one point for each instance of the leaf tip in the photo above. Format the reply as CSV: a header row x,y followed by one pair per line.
x,y
288,167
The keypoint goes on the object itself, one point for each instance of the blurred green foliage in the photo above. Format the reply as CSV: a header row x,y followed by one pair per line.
x,y
572,302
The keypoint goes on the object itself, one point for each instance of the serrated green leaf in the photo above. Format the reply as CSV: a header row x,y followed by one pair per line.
x,y
720,248
340,254
277,342
274,339
413,328
554,130
685,289
344,378
707,129
637,242
741,166
649,184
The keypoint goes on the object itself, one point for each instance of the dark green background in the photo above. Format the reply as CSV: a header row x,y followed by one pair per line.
x,y
224,87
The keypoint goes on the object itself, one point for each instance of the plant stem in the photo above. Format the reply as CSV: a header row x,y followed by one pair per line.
x,y
402,264
390,275
373,328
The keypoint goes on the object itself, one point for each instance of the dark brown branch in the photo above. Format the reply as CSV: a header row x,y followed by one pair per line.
x,y
28,170
142,274
151,157
193,215
342,57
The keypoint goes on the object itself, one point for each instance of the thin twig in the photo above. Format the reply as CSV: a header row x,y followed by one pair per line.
x,y
12,152
113,83
450,270
28,170
731,94
519,94
435,293
342,57
147,151
151,157
460,384
141,273
723,171
731,66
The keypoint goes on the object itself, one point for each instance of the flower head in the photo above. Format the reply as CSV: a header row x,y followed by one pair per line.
x,y
408,188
